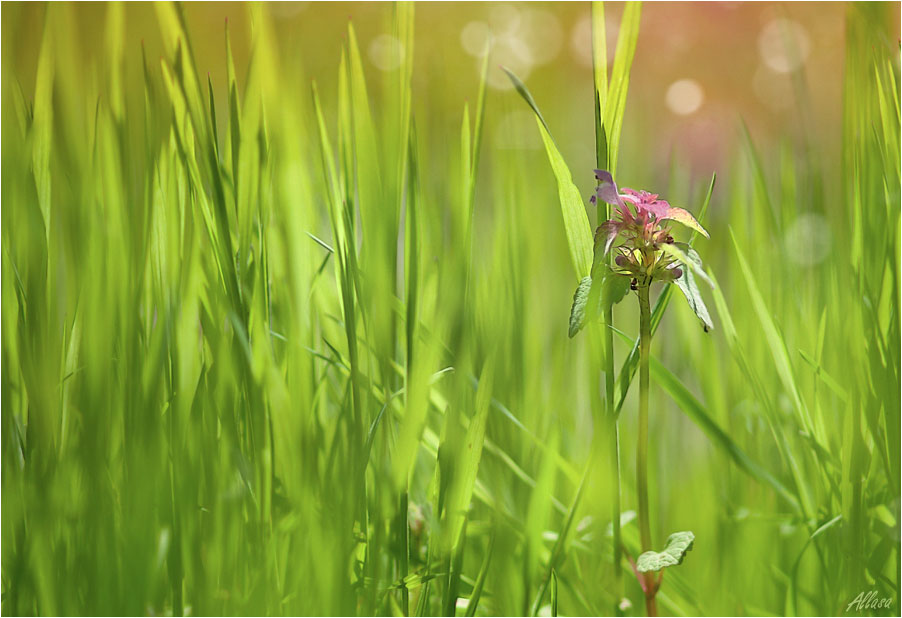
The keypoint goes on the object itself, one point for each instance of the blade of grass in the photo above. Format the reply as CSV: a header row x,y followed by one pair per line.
x,y
576,222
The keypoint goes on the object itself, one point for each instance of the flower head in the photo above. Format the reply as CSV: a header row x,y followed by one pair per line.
x,y
642,221
646,253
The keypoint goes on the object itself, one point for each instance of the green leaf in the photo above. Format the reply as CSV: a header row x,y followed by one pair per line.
x,y
560,544
684,217
480,579
578,310
687,283
613,289
525,93
599,58
614,105
462,486
775,341
576,222
591,299
677,545
688,257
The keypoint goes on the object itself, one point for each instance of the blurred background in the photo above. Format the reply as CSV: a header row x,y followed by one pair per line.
x,y
793,105
700,68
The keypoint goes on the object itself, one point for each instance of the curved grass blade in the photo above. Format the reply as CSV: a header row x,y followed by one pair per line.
x,y
696,412
576,222
480,579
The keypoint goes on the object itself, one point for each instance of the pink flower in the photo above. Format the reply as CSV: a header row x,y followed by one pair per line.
x,y
641,220
645,254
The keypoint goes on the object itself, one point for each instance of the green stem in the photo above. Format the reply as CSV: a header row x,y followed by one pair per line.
x,y
603,212
642,449
614,450
404,535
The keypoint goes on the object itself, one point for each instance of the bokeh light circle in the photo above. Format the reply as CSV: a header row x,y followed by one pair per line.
x,y
684,97
808,240
783,45
386,52
474,38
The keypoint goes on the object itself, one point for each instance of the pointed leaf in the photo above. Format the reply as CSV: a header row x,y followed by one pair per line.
x,y
576,222
685,217
525,93
689,288
687,283
615,102
677,545
460,493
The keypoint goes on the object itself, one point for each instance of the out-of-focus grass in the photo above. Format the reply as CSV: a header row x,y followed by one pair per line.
x,y
243,344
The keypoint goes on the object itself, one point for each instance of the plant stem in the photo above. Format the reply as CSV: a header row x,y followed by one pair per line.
x,y
603,212
642,449
404,535
614,449
651,606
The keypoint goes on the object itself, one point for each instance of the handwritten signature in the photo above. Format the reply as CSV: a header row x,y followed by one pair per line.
x,y
869,600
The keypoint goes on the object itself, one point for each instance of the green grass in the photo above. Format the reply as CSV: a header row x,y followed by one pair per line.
x,y
281,347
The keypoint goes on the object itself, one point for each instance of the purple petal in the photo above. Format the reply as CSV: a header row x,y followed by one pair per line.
x,y
658,208
630,196
607,188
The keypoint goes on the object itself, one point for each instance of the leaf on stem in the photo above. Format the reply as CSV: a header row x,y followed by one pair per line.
x,y
680,215
687,282
594,295
687,256
677,545
578,310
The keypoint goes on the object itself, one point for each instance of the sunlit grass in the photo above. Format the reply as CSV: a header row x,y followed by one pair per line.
x,y
306,352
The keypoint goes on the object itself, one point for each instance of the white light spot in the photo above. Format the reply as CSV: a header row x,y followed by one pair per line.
x,y
474,38
386,52
512,52
543,32
808,240
581,41
504,19
685,96
783,45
